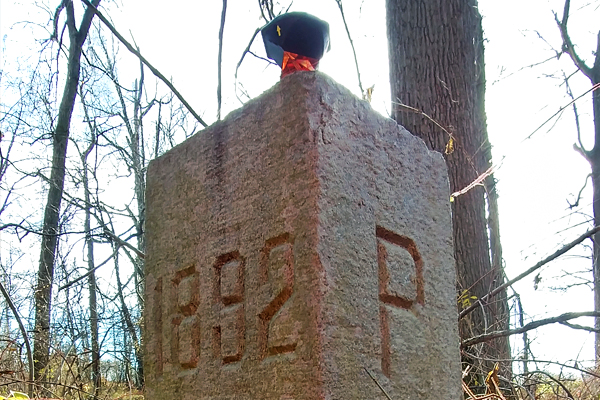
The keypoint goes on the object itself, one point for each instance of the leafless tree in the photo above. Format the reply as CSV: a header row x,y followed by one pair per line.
x,y
60,135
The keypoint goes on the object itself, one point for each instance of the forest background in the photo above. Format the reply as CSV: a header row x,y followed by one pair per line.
x,y
543,202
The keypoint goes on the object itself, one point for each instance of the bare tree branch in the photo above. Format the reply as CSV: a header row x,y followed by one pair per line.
x,y
560,110
558,382
378,384
530,326
123,243
568,45
82,277
11,305
146,63
577,125
220,57
267,5
247,51
587,178
574,367
339,3
580,327
545,261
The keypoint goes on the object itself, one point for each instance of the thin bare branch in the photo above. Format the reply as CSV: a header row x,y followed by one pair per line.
x,y
530,326
568,44
123,243
82,277
417,111
378,384
587,178
11,305
543,262
595,87
146,62
558,382
339,3
247,51
579,327
477,182
220,57
577,125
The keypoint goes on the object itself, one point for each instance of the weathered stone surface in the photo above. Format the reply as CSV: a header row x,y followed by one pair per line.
x,y
300,241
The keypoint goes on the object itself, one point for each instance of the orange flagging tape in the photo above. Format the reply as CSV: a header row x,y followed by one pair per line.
x,y
293,62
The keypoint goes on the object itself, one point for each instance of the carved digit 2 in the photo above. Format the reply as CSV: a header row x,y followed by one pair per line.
x,y
277,270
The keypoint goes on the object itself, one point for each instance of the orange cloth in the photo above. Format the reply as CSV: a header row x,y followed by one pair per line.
x,y
293,62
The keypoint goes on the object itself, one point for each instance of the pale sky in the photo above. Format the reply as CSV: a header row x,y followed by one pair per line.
x,y
536,177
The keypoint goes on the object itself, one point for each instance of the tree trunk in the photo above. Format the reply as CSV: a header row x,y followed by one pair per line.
x,y
89,241
50,230
594,160
131,329
436,66
591,156
96,377
596,244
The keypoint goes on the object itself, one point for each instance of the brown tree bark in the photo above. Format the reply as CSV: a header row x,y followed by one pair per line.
x,y
436,66
43,293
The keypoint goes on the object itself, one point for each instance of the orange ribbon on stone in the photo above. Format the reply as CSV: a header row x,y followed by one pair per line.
x,y
293,62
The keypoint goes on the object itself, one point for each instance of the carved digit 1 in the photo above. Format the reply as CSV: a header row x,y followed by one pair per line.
x,y
229,292
278,332
155,324
400,282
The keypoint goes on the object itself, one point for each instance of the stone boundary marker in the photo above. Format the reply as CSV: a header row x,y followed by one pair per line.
x,y
300,242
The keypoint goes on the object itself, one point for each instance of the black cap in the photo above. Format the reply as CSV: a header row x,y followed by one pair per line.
x,y
296,32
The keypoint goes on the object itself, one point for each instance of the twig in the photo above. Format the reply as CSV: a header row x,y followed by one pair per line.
x,y
246,51
490,170
595,87
265,4
339,3
580,327
577,125
525,356
558,382
146,63
595,375
545,261
417,111
220,57
587,178
568,45
261,58
467,390
123,243
74,281
476,182
377,383
11,305
530,326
